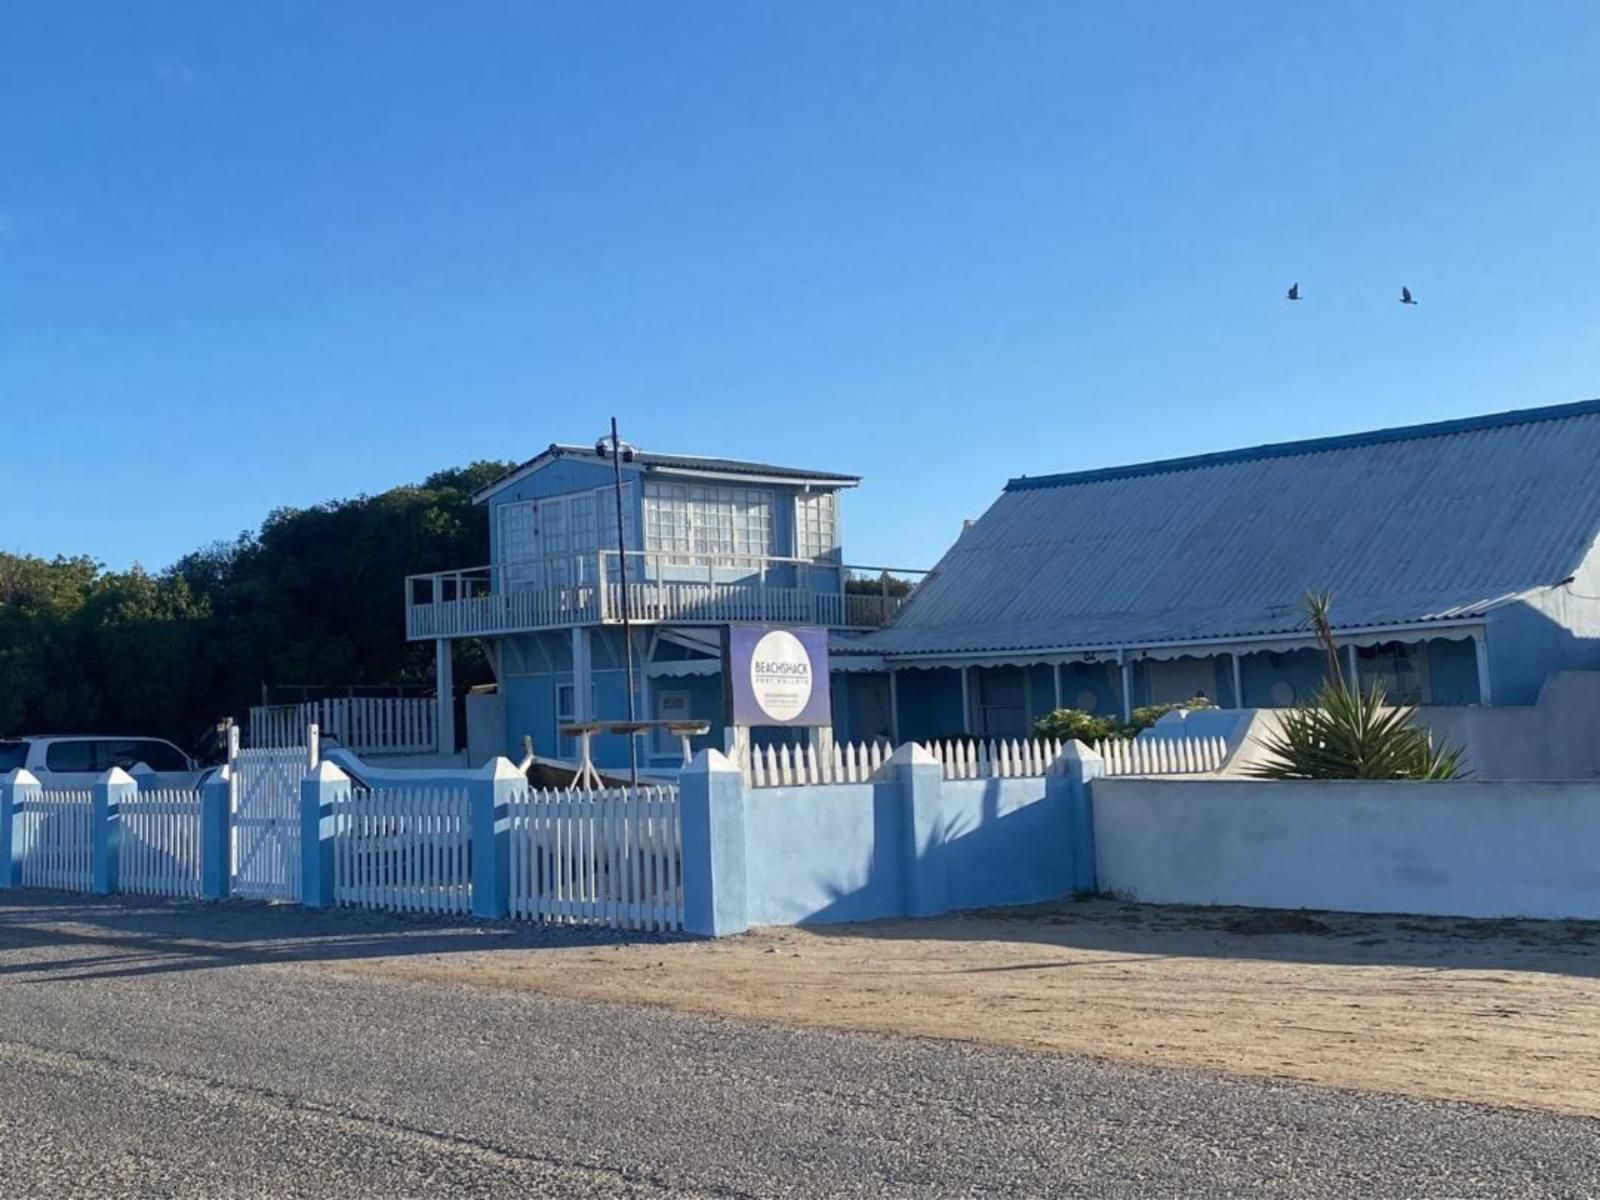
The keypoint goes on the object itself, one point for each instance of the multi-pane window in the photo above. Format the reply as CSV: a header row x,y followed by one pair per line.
x,y
816,524
715,522
1401,667
556,528
518,543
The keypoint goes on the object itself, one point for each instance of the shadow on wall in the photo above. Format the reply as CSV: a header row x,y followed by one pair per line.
x,y
850,853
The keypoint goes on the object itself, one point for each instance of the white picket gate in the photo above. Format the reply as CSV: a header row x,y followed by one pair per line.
x,y
404,849
160,853
787,766
264,794
53,836
598,858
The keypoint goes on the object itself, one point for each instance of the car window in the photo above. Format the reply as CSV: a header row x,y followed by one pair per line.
x,y
12,756
159,756
128,752
69,756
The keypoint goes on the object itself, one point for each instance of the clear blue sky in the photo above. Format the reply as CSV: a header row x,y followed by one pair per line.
x,y
255,255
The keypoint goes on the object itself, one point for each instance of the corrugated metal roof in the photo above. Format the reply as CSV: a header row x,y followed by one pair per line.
x,y
1405,525
676,462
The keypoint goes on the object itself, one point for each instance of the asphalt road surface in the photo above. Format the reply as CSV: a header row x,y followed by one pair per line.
x,y
152,1049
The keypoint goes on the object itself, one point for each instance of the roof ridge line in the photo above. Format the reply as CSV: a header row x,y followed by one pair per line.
x,y
1343,441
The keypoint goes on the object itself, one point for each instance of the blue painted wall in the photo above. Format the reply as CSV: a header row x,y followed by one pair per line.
x,y
930,703
824,854
1452,672
1005,842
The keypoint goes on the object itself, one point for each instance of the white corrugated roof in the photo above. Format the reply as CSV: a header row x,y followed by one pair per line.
x,y
1405,525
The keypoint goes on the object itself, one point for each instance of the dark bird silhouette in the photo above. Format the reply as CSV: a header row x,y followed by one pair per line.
x,y
1294,292
1405,296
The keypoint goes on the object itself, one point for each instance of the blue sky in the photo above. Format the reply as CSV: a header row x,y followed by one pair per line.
x,y
268,254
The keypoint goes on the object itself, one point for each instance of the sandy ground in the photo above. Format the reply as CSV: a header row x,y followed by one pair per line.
x,y
1498,1012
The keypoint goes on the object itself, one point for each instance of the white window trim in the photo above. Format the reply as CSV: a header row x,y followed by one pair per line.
x,y
838,538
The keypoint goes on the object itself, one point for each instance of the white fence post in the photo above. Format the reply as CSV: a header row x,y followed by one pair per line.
x,y
16,787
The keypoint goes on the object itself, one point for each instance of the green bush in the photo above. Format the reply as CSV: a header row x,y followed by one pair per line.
x,y
1143,718
1069,723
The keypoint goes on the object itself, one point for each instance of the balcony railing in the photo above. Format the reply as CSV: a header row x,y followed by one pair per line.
x,y
661,588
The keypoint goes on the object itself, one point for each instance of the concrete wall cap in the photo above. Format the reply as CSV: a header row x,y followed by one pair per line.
x,y
115,775
327,772
500,768
708,761
912,755
19,777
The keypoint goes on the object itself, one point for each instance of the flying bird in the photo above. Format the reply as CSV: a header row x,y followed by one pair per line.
x,y
1294,292
1405,296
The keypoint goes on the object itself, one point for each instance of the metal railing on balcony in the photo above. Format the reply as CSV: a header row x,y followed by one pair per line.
x,y
587,589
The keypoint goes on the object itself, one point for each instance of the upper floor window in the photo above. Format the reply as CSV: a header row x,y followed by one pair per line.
x,y
532,532
816,524
719,522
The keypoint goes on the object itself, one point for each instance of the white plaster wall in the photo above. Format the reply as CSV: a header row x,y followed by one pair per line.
x,y
1464,848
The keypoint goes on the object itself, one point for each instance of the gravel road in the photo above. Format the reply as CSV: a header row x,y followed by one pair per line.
x,y
219,1050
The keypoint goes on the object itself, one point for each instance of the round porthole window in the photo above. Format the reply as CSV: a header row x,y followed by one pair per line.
x,y
1086,701
1282,694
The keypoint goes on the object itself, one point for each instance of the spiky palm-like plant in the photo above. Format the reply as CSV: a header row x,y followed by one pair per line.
x,y
1345,733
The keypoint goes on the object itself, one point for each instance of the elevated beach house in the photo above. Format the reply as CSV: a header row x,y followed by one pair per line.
x,y
1461,556
710,541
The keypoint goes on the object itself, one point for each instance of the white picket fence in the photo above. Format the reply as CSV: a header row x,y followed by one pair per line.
x,y
404,849
969,758
1163,756
597,858
787,766
160,853
53,836
367,725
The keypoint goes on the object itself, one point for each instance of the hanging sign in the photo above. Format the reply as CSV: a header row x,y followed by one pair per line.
x,y
778,675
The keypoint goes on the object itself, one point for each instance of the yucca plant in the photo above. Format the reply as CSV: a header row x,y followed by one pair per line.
x,y
1345,733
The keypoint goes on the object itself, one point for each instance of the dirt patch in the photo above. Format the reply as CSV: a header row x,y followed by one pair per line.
x,y
1503,1013
1261,923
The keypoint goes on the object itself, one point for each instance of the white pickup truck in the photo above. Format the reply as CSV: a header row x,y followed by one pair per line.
x,y
77,760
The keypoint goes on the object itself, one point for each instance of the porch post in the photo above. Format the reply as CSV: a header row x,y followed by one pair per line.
x,y
1056,674
1127,689
894,707
1350,667
444,682
966,699
1238,680
582,675
1480,645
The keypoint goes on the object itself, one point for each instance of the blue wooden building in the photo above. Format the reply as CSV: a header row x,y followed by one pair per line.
x,y
1461,556
709,541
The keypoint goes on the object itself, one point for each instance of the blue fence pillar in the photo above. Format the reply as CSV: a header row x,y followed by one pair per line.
x,y
920,779
318,791
491,793
1067,790
711,807
216,836
109,792
17,788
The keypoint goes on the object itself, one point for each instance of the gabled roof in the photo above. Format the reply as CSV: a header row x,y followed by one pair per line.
x,y
1410,525
687,465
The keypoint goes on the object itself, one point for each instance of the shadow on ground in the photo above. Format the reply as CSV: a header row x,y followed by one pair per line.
x,y
124,936
1304,936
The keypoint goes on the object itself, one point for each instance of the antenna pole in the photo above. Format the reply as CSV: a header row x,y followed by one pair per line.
x,y
627,620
